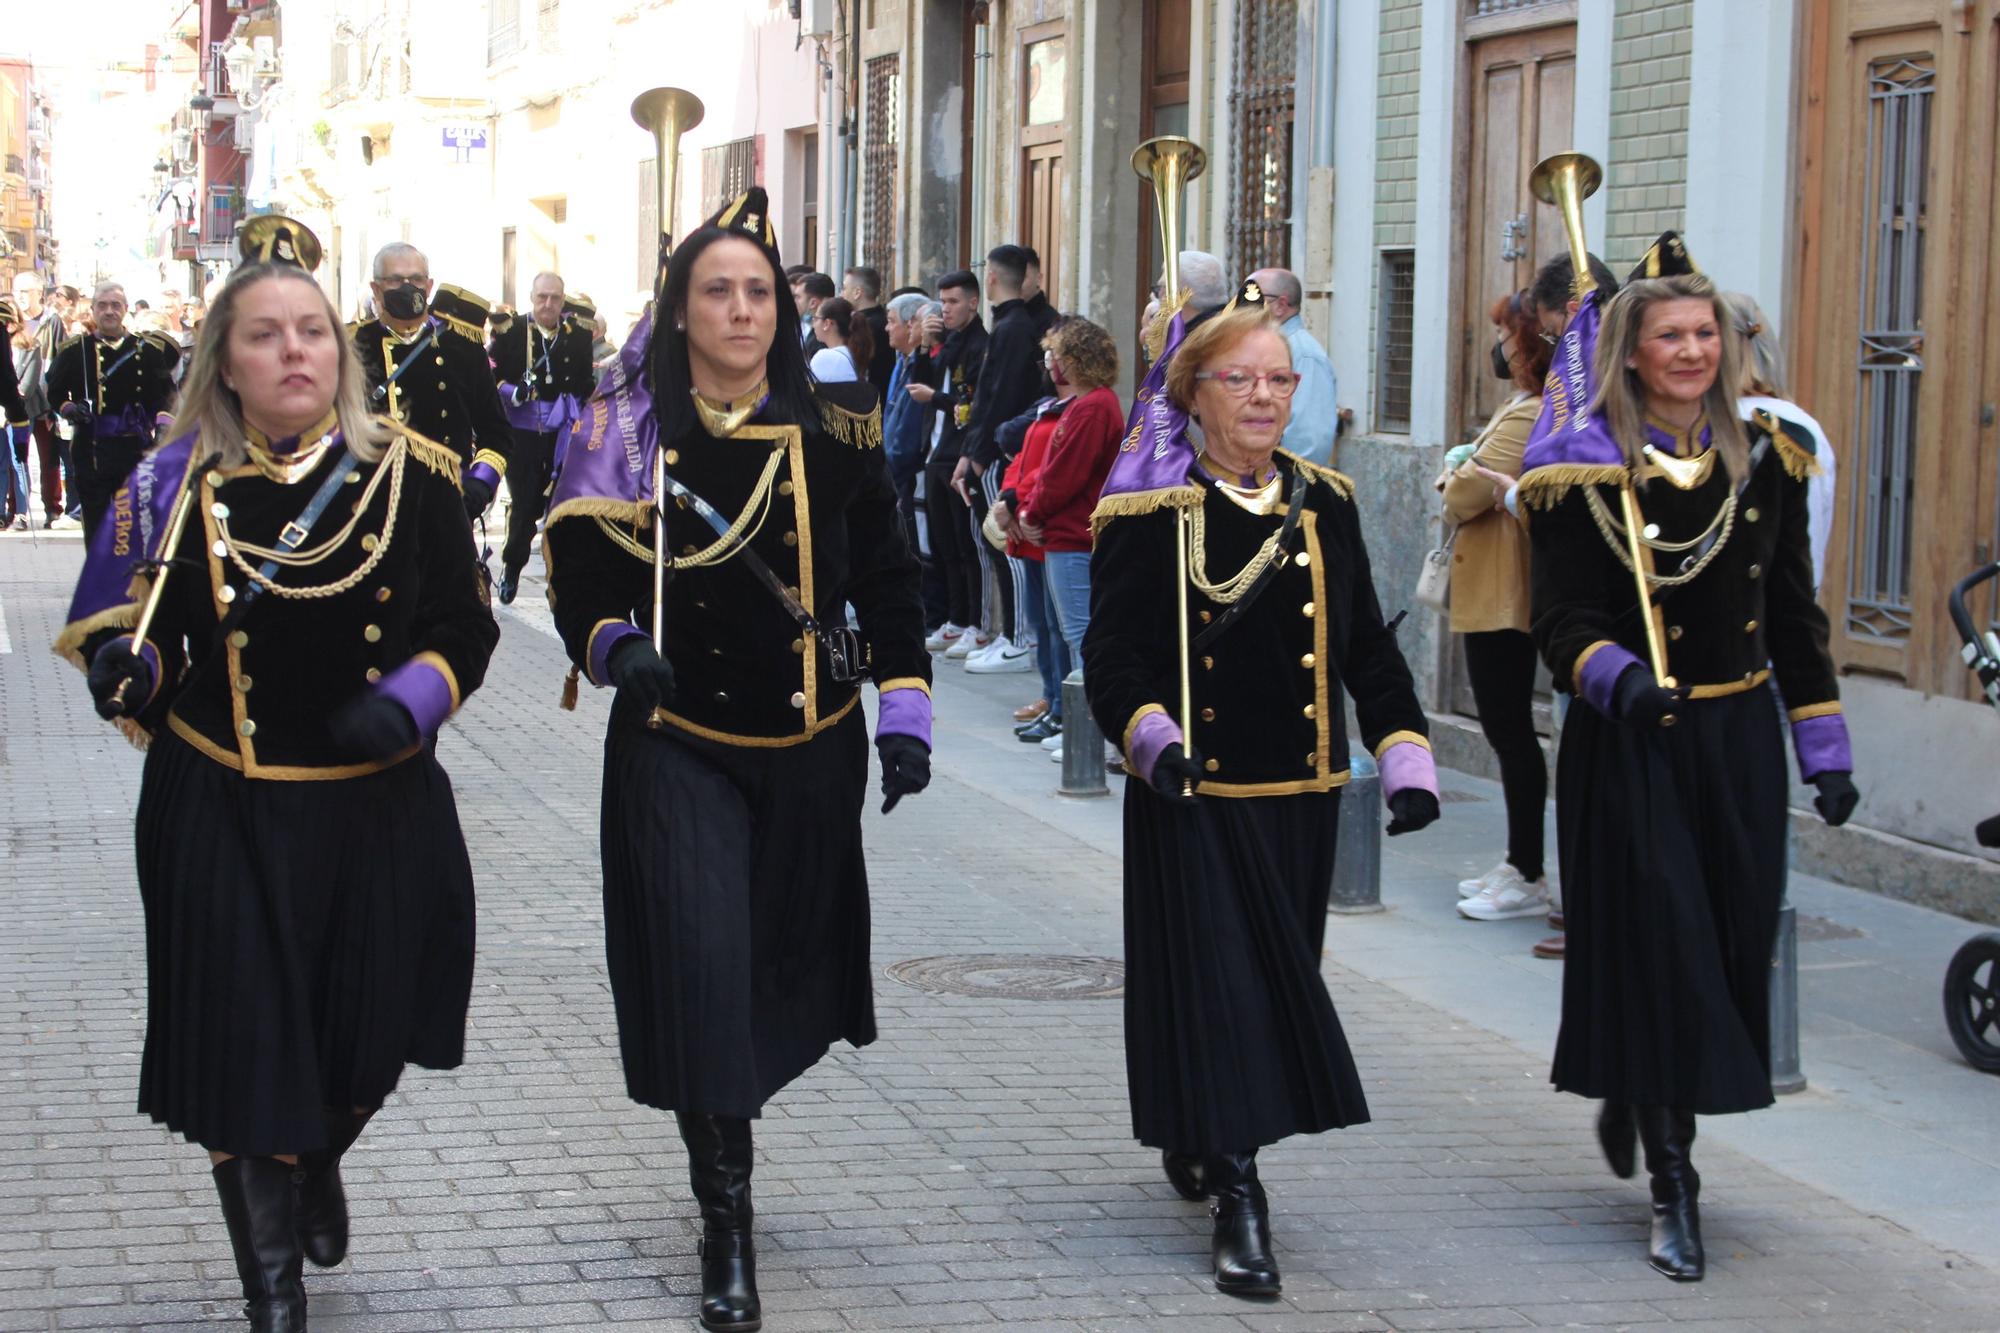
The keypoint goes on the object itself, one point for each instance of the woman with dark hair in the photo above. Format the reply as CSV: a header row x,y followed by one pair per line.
x,y
1489,606
849,344
309,903
735,763
1672,792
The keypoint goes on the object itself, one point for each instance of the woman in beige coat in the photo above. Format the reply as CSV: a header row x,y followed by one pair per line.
x,y
1489,606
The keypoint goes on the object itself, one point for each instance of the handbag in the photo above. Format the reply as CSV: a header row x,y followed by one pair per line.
x,y
1434,579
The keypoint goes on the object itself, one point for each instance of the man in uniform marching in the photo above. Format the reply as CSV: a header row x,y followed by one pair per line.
x,y
544,370
109,386
426,368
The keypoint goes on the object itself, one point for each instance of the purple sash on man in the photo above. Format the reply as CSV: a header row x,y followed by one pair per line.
x,y
109,590
606,453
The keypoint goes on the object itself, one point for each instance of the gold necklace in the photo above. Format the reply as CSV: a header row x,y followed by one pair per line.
x,y
722,419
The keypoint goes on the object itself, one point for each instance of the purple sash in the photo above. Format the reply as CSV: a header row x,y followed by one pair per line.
x,y
607,451
541,416
1156,453
1568,432
133,528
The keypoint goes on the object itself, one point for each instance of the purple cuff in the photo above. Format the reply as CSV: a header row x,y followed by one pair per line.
x,y
1152,735
1822,747
905,711
420,687
483,472
602,641
1598,681
1405,765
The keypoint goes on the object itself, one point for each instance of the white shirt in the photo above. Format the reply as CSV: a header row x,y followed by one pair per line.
x,y
833,365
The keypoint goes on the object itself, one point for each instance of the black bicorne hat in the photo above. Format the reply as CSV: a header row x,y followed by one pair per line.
x,y
749,215
1668,258
1250,293
272,238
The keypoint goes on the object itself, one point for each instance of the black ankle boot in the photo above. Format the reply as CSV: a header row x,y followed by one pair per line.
x,y
719,1160
1242,1244
322,1208
1618,1134
1675,1247
259,1205
1184,1173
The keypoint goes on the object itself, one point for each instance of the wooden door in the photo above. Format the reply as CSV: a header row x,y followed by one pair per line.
x,y
1163,109
1041,211
1895,350
1520,108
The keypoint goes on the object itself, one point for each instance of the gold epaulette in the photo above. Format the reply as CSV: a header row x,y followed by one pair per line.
x,y
1543,487
1794,445
863,430
71,341
165,342
437,457
1343,485
472,333
1130,504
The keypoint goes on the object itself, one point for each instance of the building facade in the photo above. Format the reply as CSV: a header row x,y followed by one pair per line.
x,y
27,240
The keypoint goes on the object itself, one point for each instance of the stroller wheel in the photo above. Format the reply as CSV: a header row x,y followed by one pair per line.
x,y
1972,1002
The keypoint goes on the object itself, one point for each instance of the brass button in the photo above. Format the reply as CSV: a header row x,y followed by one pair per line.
x,y
369,541
681,500
784,488
1751,515
441,387
1750,626
1307,610
243,684
246,728
1674,632
225,594
1307,661
714,651
353,477
212,479
372,633
798,645
1206,617
219,509
372,674
797,596
673,457
220,550
791,539
1212,765
384,594
799,699
1749,677
1312,710
722,696
239,640
1208,715
1208,664
1301,559
689,549
440,361
1312,759
1756,571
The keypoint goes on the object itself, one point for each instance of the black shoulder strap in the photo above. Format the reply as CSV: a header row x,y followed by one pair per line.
x,y
1270,572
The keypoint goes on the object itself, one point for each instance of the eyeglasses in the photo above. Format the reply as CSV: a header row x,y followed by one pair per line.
x,y
1241,383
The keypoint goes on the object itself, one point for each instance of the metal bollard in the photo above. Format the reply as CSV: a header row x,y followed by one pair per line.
x,y
1083,743
1357,856
1786,1076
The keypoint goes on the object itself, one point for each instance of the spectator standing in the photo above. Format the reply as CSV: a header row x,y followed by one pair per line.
x,y
809,290
847,345
34,345
862,289
959,358
906,437
1315,406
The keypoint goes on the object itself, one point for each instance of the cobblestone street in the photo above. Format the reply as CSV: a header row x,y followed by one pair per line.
x,y
973,1168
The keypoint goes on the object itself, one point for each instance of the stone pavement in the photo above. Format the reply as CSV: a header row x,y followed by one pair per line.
x,y
971,1169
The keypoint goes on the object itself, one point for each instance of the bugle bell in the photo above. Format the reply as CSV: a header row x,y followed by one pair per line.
x,y
1564,181
668,113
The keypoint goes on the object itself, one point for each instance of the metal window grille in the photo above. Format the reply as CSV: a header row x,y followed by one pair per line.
x,y
548,20
878,224
503,29
1395,330
727,170
1481,8
1889,358
649,224
1262,104
223,207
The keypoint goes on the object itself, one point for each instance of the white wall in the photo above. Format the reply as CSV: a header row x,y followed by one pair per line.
x,y
1740,146
1351,346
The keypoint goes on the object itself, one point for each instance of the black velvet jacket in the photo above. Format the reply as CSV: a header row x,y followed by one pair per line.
x,y
520,345
822,516
140,386
1269,693
408,591
1751,607
449,396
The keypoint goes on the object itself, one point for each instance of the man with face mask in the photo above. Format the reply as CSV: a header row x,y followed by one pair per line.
x,y
427,368
544,369
108,386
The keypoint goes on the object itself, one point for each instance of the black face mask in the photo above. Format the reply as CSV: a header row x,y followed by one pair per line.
x,y
403,301
1502,368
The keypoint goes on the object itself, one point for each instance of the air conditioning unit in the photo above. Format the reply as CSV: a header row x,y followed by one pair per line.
x,y
815,17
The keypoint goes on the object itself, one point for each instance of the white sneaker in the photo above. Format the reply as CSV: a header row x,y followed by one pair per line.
x,y
943,637
1507,897
968,643
65,523
1005,655
1472,888
1053,744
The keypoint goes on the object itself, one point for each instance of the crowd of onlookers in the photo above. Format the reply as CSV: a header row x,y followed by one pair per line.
x,y
1001,417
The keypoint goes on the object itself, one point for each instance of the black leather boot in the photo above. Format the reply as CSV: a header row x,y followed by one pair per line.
x,y
719,1160
1184,1173
322,1198
510,584
260,1207
1242,1244
1675,1247
1618,1134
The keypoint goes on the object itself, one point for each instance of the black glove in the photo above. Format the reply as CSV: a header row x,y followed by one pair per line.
x,y
73,412
1640,702
645,680
1410,809
117,665
1174,772
478,494
1836,799
372,726
906,767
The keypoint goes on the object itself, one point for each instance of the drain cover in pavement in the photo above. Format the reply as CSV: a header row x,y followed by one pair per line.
x,y
1014,976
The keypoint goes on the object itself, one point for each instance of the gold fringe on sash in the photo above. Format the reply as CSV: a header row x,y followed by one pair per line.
x,y
1132,503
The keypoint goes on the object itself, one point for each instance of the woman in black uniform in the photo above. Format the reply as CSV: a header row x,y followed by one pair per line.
x,y
736,762
1671,794
309,907
1231,1041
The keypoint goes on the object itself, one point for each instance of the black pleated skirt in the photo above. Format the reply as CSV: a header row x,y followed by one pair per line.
x,y
1231,1041
735,911
1673,866
304,941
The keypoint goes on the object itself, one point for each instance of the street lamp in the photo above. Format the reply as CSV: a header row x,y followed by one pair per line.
x,y
183,144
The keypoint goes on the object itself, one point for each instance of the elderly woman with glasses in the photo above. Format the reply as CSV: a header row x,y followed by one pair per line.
x,y
1231,1039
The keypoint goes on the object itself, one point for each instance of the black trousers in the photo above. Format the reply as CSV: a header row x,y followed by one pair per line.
x,y
102,463
528,471
936,611
1501,665
951,543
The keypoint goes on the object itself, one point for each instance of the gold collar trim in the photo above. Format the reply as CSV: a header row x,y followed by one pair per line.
x,y
723,420
289,467
1686,441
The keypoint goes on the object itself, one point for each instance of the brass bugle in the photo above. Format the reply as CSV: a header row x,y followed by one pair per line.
x,y
668,113
1169,163
1564,181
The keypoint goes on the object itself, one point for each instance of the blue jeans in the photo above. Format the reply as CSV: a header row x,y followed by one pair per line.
x,y
1069,592
1051,653
14,485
